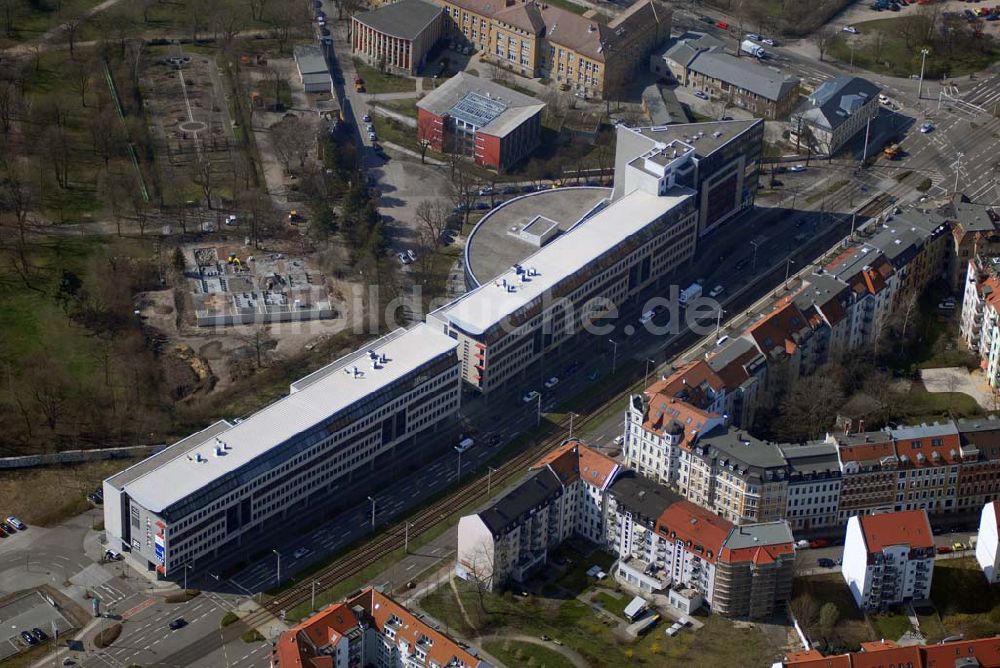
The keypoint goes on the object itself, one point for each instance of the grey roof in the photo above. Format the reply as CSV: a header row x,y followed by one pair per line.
x,y
309,59
538,488
972,217
819,289
493,109
755,535
745,451
405,19
905,233
836,99
640,494
810,459
181,447
978,424
684,48
744,73
924,431
662,105
730,351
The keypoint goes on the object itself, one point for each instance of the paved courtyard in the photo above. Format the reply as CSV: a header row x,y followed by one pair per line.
x,y
958,379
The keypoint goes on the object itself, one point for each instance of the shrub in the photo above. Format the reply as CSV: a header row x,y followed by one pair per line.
x,y
229,618
183,596
253,635
924,185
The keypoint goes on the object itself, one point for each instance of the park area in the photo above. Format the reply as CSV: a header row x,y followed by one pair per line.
x,y
579,616
893,46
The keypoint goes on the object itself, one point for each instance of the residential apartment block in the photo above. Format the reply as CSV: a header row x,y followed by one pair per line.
x,y
535,39
212,496
698,61
975,231
987,548
834,113
664,545
494,125
888,559
944,469
397,36
736,571
369,629
564,495
980,653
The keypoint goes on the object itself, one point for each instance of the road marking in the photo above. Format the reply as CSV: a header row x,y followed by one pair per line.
x,y
131,612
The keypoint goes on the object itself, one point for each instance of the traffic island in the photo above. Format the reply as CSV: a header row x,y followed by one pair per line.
x,y
106,636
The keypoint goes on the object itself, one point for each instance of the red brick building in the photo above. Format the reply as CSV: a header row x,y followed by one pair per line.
x,y
466,115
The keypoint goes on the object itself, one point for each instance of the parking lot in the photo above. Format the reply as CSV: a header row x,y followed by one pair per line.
x,y
30,611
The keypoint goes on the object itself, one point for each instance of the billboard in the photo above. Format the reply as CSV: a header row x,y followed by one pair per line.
x,y
161,549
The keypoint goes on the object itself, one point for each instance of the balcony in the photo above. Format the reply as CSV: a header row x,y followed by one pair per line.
x,y
643,574
527,563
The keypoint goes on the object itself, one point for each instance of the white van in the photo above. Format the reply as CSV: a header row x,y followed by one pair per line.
x,y
647,317
465,444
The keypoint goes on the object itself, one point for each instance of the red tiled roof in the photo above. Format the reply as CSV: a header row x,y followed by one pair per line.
x,y
664,411
689,522
763,554
735,373
887,653
866,452
574,461
906,527
688,382
779,329
933,455
327,626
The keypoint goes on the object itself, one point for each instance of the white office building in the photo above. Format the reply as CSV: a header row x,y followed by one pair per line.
x,y
986,544
505,327
213,494
888,558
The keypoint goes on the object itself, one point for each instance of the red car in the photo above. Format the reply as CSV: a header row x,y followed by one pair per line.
x,y
722,25
944,549
817,543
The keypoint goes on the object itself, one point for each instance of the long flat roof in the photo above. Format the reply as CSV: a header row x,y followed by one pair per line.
x,y
489,304
322,394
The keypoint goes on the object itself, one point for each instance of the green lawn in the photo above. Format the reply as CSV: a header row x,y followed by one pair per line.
x,y
891,626
575,624
613,603
404,107
515,653
382,82
964,601
896,58
809,594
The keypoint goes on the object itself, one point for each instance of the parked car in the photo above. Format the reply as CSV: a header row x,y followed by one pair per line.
x,y
93,499
768,42
17,524
28,638
944,549
510,190
486,190
403,258
178,623
825,563
716,291
413,256
8,528
111,555
958,546
754,36
551,382
530,396
39,634
851,29
367,118
301,552
927,127
700,94
817,543
797,168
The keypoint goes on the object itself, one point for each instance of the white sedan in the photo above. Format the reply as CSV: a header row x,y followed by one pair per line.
x,y
551,382
530,396
851,29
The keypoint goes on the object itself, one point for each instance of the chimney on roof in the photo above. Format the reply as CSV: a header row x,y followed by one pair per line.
x,y
861,426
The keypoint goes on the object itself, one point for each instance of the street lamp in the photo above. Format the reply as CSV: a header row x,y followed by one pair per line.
x,y
614,354
923,61
459,451
645,380
278,574
312,605
186,568
538,409
753,264
372,499
958,168
718,322
571,416
788,265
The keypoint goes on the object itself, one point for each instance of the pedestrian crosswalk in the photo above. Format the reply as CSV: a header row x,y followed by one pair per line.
x,y
985,94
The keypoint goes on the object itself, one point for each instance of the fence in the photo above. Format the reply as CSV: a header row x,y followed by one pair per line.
x,y
77,456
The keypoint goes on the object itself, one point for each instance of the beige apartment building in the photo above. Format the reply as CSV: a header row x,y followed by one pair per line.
x,y
577,53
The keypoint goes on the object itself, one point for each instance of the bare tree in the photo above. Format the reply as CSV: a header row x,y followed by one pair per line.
x,y
204,176
260,341
877,42
479,566
292,138
432,216
71,22
824,39
425,131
